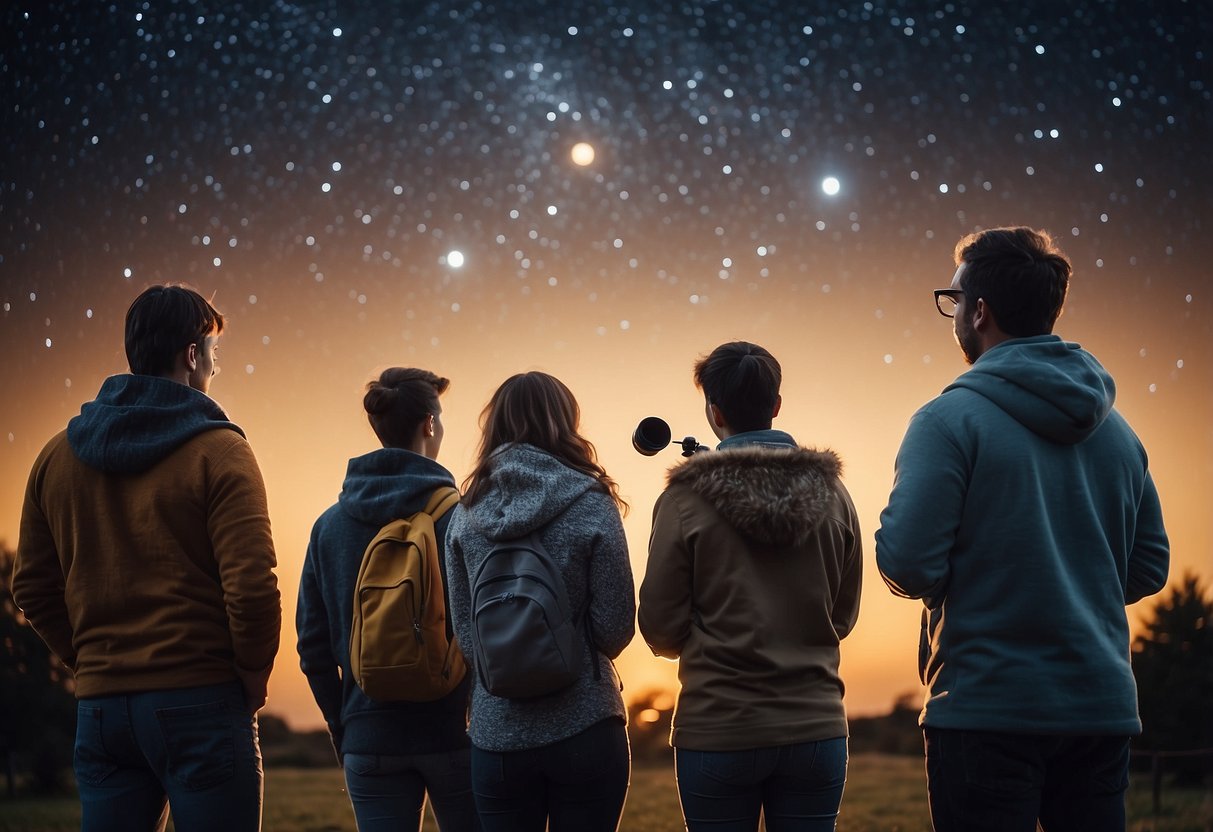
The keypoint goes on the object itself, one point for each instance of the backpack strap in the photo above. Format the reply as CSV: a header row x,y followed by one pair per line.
x,y
441,501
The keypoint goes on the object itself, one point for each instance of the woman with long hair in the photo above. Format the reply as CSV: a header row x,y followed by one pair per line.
x,y
560,759
394,753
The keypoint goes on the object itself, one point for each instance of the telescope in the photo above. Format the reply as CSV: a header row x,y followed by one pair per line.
x,y
653,434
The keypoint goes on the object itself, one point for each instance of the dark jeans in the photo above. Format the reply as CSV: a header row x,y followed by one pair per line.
x,y
575,785
978,780
796,787
195,748
388,793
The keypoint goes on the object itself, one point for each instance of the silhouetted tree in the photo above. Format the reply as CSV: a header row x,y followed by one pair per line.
x,y
896,732
37,707
1173,663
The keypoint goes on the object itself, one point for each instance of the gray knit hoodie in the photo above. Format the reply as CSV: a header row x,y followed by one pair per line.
x,y
580,527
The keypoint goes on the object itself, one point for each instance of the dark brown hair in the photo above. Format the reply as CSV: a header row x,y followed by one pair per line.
x,y
539,410
742,379
1020,273
163,321
398,401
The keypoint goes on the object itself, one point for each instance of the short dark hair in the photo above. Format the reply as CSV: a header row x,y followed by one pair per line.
x,y
398,401
742,379
1020,273
163,321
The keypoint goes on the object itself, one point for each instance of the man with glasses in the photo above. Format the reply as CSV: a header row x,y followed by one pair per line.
x,y
1024,516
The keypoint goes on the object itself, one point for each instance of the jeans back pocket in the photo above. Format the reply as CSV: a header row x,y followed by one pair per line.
x,y
91,759
199,743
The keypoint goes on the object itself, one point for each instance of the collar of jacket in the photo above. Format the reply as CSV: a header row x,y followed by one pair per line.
x,y
775,494
770,437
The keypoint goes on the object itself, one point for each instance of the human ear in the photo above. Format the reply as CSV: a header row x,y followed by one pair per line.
x,y
982,315
191,357
778,404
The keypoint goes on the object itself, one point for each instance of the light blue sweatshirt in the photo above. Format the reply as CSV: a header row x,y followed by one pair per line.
x,y
1024,515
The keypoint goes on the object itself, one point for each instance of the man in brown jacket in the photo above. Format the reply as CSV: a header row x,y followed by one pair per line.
x,y
146,564
754,572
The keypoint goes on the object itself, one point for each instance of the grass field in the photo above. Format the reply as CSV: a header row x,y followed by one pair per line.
x,y
884,794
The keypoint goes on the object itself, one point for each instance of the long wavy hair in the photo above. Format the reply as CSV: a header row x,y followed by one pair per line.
x,y
538,409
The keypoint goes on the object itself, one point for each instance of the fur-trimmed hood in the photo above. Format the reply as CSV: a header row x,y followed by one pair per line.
x,y
774,495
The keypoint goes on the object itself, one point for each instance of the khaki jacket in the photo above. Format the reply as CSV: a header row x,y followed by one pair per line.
x,y
753,578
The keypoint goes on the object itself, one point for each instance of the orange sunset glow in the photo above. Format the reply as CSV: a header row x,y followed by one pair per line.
x,y
480,204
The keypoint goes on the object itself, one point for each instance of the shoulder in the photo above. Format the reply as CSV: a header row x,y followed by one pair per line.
x,y
953,414
332,516
55,454
220,438
54,446
225,448
593,509
595,498
703,468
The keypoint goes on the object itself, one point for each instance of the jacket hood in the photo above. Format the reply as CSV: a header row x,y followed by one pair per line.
x,y
389,484
1052,387
137,420
775,495
530,488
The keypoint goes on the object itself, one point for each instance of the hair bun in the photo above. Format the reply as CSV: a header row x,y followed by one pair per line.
x,y
379,399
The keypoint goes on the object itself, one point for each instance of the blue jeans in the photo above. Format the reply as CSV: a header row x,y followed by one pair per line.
x,y
575,785
388,793
194,750
795,787
1006,782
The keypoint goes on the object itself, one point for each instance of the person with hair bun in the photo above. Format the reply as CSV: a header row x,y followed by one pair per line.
x,y
394,753
559,760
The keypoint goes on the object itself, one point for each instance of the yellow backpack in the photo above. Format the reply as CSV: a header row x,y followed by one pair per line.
x,y
400,649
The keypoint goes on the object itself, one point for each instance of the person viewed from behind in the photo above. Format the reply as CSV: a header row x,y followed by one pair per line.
x,y
753,579
145,562
558,758
396,752
1024,516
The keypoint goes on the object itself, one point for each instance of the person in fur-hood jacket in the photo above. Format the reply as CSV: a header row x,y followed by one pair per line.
x,y
753,579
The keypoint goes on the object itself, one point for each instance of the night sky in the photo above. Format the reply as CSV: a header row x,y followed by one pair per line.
x,y
366,185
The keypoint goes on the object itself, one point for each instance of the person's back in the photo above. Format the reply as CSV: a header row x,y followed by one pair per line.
x,y
396,753
753,579
558,759
1023,514
1040,570
145,561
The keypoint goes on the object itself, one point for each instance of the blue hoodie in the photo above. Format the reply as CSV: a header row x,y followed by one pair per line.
x,y
136,421
1024,515
381,486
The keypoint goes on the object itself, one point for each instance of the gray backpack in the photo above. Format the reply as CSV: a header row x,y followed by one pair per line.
x,y
526,640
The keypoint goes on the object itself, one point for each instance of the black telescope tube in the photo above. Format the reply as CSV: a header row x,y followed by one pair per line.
x,y
651,435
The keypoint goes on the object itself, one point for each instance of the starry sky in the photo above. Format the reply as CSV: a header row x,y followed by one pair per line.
x,y
361,186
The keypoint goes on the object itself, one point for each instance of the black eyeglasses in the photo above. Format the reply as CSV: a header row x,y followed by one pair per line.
x,y
946,301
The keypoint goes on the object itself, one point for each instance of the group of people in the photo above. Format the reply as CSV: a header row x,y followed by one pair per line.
x,y
1022,514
